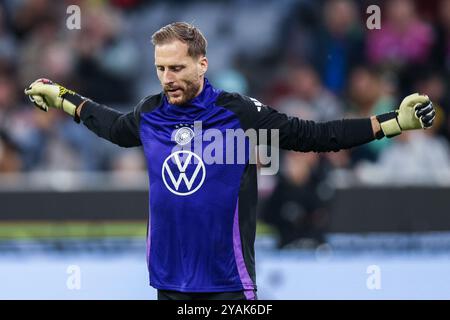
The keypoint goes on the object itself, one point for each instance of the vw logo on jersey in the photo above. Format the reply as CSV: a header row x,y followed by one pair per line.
x,y
184,136
183,172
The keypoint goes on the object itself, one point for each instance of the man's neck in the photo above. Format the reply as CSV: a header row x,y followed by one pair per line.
x,y
200,89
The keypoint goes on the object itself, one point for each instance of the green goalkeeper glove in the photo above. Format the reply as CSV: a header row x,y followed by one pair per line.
x,y
416,111
44,94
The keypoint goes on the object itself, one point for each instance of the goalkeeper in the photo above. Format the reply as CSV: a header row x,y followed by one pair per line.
x,y
202,219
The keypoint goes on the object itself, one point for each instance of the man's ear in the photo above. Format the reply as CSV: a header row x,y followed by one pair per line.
x,y
203,62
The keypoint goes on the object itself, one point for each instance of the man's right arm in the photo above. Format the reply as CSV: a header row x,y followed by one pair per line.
x,y
121,129
112,125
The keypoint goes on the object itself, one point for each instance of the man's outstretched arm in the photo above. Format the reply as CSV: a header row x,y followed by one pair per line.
x,y
415,112
121,129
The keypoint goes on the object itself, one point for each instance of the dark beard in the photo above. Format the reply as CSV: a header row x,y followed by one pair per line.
x,y
188,94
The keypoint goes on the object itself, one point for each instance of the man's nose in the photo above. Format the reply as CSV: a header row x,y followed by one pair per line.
x,y
168,77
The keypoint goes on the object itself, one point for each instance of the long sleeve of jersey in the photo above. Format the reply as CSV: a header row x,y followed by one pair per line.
x,y
119,128
306,135
299,134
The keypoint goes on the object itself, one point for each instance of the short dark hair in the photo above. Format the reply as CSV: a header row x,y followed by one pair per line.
x,y
184,32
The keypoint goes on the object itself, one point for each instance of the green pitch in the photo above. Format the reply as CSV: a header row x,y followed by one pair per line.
x,y
82,229
74,229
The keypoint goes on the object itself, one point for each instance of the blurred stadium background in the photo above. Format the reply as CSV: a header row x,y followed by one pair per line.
x,y
326,221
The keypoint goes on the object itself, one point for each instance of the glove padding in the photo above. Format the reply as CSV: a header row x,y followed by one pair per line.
x,y
416,111
44,94
426,114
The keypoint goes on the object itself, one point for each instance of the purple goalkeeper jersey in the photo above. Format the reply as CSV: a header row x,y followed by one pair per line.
x,y
194,231
202,213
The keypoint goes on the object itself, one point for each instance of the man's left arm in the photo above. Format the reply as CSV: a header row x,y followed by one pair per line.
x,y
415,112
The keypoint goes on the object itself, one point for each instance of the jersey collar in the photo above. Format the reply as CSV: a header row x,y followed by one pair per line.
x,y
201,102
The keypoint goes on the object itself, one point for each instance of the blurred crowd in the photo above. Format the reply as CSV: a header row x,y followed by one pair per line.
x,y
312,59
